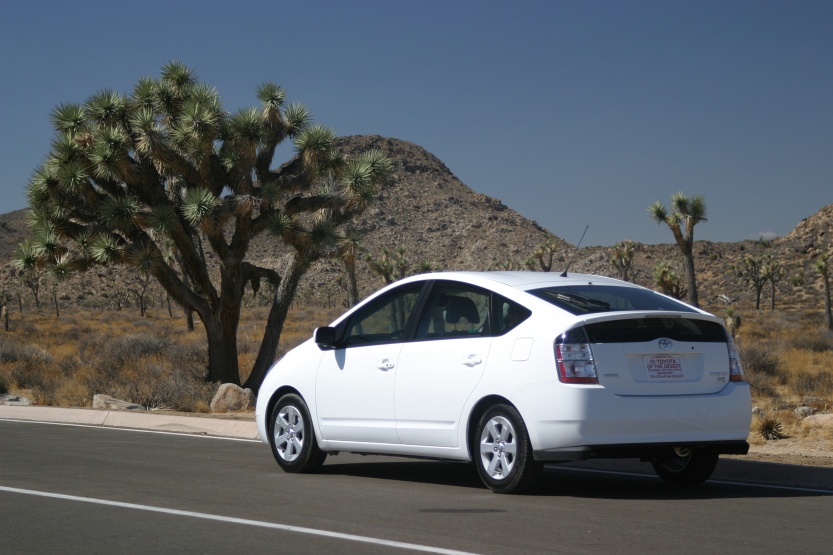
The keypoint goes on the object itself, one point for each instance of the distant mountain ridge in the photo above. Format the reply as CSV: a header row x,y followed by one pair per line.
x,y
440,220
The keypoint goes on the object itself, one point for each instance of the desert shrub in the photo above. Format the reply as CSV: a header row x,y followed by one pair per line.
x,y
4,382
191,358
817,404
179,391
761,385
819,341
759,358
15,351
769,428
112,353
69,365
33,368
138,345
810,384
160,385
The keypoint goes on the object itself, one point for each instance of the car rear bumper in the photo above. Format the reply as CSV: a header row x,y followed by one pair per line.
x,y
575,422
635,451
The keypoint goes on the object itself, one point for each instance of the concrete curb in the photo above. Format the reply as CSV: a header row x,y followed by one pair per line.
x,y
160,422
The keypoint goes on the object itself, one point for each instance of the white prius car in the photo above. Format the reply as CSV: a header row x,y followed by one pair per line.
x,y
512,370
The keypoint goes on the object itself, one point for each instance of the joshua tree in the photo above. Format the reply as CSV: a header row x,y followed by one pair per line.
x,y
348,248
822,266
686,212
773,272
667,281
543,256
621,258
5,299
167,162
395,267
28,261
751,270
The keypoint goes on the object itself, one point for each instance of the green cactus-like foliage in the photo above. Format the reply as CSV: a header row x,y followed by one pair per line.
x,y
166,169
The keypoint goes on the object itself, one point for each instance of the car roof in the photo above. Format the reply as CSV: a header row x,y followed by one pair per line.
x,y
524,280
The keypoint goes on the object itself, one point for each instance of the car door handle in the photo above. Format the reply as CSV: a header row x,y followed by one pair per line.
x,y
472,360
385,365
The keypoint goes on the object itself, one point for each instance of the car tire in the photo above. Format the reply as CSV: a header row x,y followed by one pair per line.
x,y
686,466
292,436
502,451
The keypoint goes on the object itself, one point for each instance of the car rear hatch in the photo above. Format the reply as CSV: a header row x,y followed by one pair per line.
x,y
659,353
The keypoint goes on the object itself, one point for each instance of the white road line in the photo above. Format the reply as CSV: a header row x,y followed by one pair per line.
x,y
723,482
243,521
140,430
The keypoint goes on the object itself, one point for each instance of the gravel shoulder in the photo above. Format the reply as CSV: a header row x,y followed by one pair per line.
x,y
806,451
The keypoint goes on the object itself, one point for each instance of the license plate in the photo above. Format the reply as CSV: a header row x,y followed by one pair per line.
x,y
664,367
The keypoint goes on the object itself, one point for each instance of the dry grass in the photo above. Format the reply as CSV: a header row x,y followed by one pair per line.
x,y
152,361
788,361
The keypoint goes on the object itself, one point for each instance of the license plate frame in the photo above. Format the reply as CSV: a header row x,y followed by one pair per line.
x,y
663,367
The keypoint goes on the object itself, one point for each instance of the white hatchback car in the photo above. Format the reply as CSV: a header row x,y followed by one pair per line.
x,y
512,370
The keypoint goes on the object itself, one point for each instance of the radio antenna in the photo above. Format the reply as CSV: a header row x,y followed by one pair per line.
x,y
564,273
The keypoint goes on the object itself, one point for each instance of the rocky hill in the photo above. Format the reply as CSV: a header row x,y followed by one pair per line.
x,y
441,221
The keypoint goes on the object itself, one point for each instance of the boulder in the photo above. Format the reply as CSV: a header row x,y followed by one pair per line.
x,y
818,421
14,400
804,411
233,398
111,403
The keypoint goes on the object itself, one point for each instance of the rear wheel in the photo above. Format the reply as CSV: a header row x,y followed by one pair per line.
x,y
292,436
503,454
686,466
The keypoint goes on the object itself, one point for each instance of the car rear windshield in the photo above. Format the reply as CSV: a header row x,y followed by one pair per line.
x,y
587,299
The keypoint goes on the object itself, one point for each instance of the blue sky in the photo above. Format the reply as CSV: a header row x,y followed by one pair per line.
x,y
572,113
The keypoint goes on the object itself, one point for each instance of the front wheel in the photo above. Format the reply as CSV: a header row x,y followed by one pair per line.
x,y
503,455
292,436
686,466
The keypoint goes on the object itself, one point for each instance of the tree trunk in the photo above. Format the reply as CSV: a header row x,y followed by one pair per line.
x,y
772,298
37,298
352,285
828,315
141,298
222,352
274,324
692,283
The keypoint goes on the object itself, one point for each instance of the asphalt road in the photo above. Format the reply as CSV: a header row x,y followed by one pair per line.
x,y
72,489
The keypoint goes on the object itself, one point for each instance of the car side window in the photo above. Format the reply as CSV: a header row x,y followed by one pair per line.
x,y
384,321
508,314
454,310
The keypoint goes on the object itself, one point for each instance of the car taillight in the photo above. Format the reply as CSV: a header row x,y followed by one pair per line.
x,y
574,358
735,367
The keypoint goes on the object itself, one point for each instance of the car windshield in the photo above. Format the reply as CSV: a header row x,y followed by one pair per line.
x,y
587,299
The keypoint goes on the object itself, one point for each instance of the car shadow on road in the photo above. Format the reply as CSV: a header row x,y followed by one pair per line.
x,y
619,479
407,470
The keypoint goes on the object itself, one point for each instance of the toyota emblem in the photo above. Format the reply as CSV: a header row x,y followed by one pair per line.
x,y
665,344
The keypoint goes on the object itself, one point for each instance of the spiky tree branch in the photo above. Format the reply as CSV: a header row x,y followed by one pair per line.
x,y
167,169
686,212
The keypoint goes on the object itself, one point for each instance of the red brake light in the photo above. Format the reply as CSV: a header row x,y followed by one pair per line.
x,y
735,367
575,362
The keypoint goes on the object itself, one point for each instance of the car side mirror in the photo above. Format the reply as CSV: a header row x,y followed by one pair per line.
x,y
325,337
